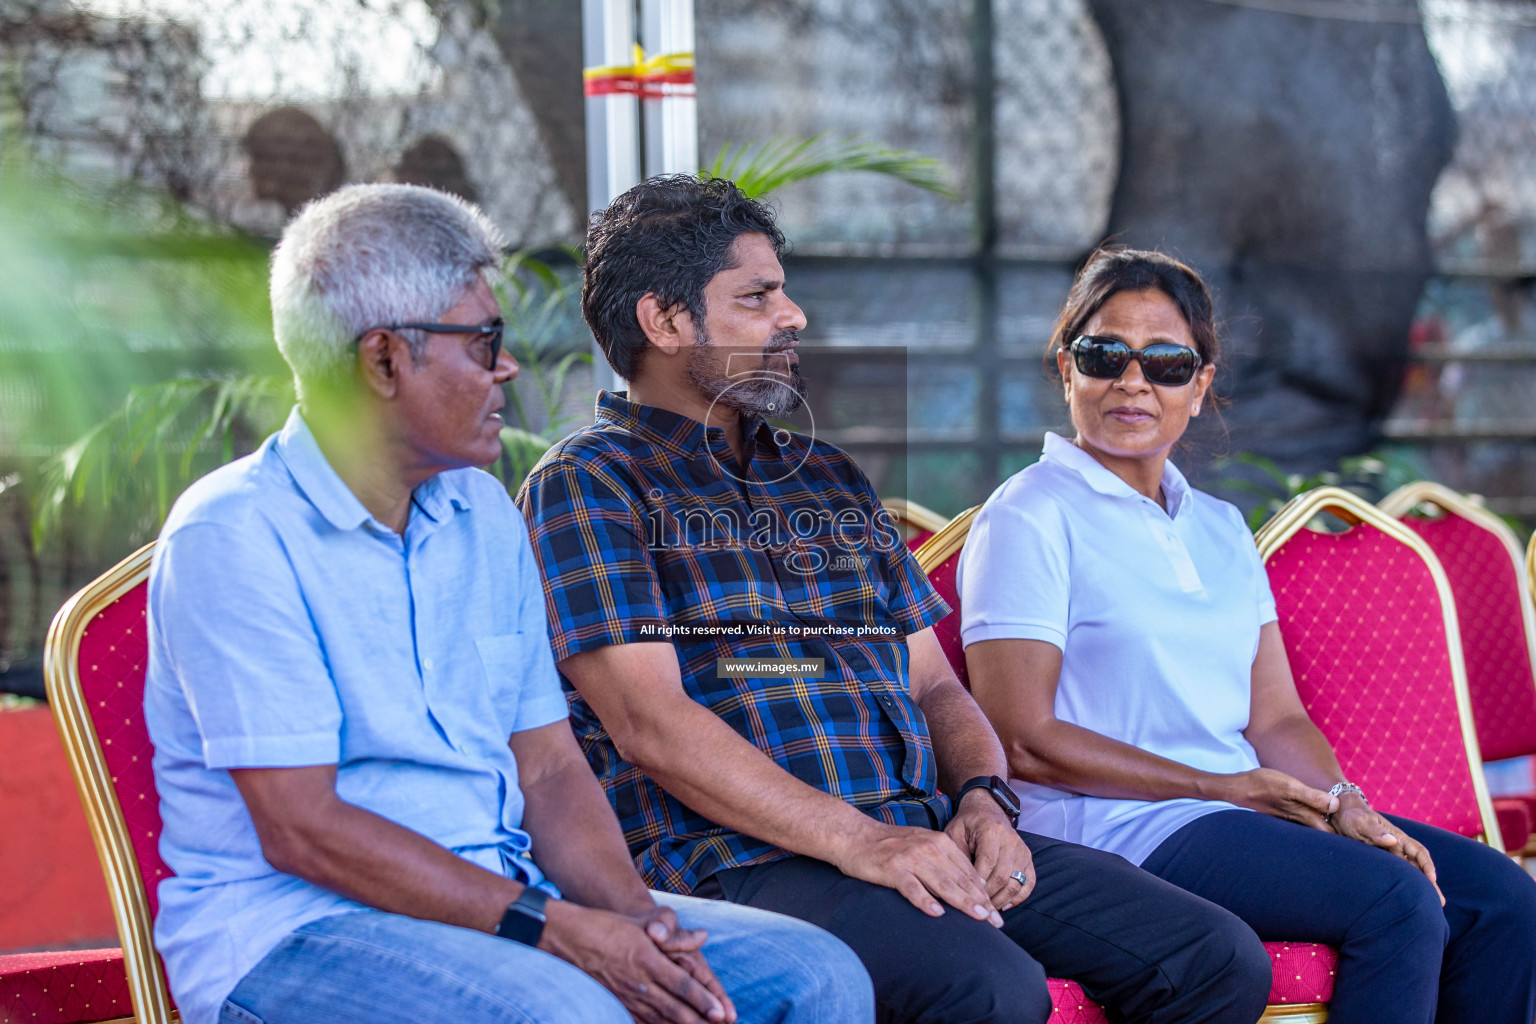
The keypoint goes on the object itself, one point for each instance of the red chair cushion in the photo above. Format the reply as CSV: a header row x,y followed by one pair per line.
x,y
1528,799
1303,972
918,539
1070,1005
1363,627
948,628
75,987
1493,642
1514,814
114,654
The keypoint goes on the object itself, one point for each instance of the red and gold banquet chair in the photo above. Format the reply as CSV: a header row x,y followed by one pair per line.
x,y
1484,563
917,523
80,986
94,661
1370,629
1303,971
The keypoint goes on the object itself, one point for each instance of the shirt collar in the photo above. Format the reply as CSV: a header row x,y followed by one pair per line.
x,y
1069,456
673,431
439,496
331,496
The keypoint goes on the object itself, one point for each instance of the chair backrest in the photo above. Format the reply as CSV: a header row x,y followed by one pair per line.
x,y
916,522
95,658
1300,1000
918,539
939,556
1484,562
1370,629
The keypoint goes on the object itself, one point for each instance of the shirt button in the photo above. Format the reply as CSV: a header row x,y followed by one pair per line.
x,y
426,664
886,701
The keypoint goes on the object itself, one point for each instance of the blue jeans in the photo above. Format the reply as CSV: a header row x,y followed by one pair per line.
x,y
370,967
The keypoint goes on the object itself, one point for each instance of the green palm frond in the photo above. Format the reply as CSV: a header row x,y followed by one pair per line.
x,y
760,168
1371,476
133,464
140,458
520,450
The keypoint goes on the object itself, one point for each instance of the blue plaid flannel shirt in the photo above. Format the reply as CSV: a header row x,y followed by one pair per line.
x,y
643,521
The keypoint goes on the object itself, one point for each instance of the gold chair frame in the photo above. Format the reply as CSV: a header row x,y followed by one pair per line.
x,y
1426,492
912,517
103,812
1354,510
1295,1013
1530,567
946,540
930,556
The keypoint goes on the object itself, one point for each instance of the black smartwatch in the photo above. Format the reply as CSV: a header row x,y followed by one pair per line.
x,y
524,920
1000,791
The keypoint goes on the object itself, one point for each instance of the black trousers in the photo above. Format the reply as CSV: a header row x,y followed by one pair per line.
x,y
1149,950
1403,958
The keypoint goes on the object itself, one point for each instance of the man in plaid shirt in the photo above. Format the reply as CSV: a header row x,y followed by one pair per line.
x,y
681,532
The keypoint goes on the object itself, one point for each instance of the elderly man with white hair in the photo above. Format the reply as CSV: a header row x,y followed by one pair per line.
x,y
374,806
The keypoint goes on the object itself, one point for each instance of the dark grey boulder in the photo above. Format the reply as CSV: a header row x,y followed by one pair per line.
x,y
1290,159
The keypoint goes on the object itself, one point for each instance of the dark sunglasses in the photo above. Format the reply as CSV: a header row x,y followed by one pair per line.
x,y
493,330
1106,358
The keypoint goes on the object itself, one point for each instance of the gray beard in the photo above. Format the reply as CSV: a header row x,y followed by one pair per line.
x,y
774,390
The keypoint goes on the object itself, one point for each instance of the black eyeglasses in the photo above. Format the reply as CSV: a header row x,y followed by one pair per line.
x,y
493,331
1106,358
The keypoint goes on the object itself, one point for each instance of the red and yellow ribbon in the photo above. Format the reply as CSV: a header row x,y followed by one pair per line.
x,y
644,78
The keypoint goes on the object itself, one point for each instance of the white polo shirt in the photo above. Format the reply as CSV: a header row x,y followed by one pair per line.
x,y
1157,615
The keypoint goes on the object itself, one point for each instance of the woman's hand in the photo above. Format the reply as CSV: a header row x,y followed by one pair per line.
x,y
1280,795
1358,821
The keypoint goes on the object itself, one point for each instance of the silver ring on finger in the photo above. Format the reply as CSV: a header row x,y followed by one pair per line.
x,y
1020,877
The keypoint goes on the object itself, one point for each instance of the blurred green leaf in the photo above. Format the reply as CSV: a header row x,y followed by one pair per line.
x,y
764,167
1371,475
164,436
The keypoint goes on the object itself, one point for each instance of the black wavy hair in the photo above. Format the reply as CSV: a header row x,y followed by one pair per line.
x,y
668,235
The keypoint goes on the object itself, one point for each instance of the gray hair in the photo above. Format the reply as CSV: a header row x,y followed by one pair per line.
x,y
367,255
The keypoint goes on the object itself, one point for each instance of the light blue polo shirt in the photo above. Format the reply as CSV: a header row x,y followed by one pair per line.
x,y
289,627
1157,614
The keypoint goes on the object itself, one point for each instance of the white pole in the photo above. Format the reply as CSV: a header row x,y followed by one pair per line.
x,y
613,120
616,83
671,119
613,127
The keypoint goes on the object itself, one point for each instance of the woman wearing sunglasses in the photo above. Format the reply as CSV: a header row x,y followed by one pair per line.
x,y
1120,634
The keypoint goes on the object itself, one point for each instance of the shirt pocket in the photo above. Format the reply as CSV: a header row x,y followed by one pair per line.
x,y
505,661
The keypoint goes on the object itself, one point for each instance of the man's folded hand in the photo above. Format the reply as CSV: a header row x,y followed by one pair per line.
x,y
657,981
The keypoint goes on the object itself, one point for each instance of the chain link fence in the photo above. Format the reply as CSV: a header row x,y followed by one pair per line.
x,y
1483,217
1465,407
243,109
